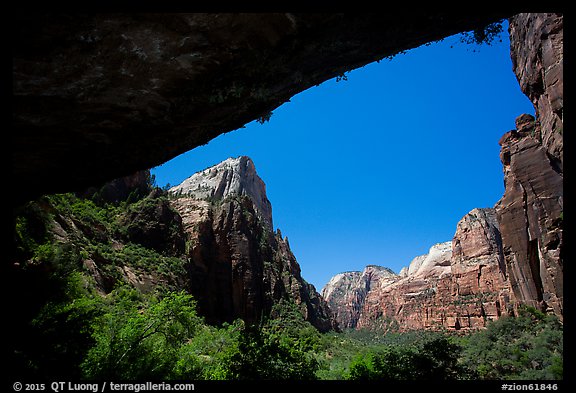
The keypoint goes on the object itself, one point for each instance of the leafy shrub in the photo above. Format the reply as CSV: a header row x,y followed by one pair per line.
x,y
209,355
265,355
283,347
435,359
62,330
141,341
72,331
529,346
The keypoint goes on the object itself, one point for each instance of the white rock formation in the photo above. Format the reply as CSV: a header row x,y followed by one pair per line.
x,y
232,177
435,263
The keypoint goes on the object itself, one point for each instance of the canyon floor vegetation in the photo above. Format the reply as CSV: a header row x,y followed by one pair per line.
x,y
69,327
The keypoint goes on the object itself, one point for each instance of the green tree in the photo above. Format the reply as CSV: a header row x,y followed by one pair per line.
x,y
529,346
435,359
270,355
63,329
135,340
209,354
282,347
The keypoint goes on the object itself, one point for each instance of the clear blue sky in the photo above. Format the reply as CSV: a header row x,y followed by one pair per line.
x,y
378,168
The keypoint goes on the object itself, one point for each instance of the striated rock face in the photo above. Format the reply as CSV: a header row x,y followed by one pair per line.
x,y
346,292
531,218
238,266
215,242
537,53
226,274
531,211
511,254
410,301
477,253
458,285
480,288
232,177
88,88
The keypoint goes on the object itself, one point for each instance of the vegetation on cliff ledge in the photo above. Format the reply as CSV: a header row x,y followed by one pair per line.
x,y
90,322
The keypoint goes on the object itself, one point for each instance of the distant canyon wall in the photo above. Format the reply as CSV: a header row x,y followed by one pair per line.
x,y
74,125
457,285
500,257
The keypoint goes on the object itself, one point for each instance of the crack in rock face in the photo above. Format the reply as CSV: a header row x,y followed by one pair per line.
x,y
502,257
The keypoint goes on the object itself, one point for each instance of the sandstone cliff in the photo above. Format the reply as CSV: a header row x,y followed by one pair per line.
x,y
531,211
346,292
511,254
457,285
73,128
238,266
214,241
232,177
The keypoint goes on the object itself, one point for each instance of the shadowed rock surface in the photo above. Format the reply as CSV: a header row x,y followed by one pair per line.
x,y
531,211
238,266
100,96
96,97
218,246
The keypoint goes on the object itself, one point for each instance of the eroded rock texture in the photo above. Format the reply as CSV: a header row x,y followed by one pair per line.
x,y
511,254
346,292
531,211
537,52
458,285
100,96
219,246
480,287
531,219
240,267
232,177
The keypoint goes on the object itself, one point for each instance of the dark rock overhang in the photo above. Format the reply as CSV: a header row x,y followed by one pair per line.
x,y
100,96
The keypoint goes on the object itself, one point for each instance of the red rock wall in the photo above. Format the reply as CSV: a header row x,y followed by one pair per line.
x,y
466,294
512,254
346,292
239,268
531,211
